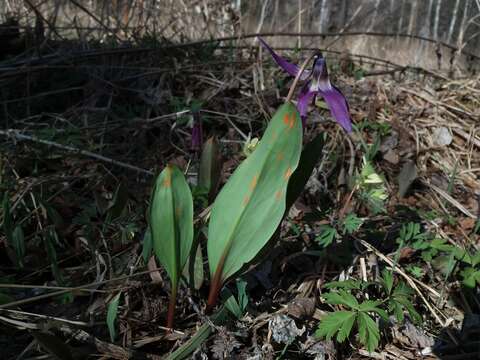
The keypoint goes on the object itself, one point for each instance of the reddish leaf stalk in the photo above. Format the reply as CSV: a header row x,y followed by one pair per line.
x,y
171,306
216,285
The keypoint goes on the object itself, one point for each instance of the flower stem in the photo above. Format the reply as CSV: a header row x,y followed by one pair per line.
x,y
299,74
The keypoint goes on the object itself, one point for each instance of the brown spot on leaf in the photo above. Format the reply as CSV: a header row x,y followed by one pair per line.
x,y
278,195
178,211
253,183
288,173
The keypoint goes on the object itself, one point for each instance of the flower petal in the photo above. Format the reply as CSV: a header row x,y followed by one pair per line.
x,y
338,107
290,68
304,99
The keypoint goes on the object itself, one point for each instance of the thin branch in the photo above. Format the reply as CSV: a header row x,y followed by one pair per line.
x,y
15,134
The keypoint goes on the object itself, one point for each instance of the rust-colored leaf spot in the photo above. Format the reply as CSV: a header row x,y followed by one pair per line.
x,y
178,211
289,120
278,195
246,199
167,182
288,173
280,156
253,183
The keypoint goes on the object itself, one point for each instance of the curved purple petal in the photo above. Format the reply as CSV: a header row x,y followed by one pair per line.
x,y
338,106
290,68
304,99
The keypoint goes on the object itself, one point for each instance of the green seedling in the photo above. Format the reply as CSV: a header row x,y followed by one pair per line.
x,y
171,226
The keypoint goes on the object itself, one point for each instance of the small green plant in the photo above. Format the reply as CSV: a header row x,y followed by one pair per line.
x,y
360,314
371,188
351,224
327,235
470,273
238,305
399,298
171,227
383,298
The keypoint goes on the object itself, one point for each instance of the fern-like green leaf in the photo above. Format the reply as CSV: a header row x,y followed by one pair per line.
x,y
338,322
368,331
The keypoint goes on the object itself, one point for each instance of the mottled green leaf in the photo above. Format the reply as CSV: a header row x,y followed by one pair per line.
x,y
171,221
252,203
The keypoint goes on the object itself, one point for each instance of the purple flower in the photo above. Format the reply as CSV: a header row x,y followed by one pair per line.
x,y
197,133
317,83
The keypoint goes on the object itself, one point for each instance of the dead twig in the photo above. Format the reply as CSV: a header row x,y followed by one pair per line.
x,y
15,134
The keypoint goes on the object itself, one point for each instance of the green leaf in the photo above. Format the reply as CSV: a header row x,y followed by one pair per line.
x,y
112,316
250,206
351,223
308,159
372,306
210,167
416,271
471,277
327,236
147,245
242,294
397,309
387,277
341,298
338,321
368,331
200,336
350,284
171,224
475,259
171,221
18,242
237,306
194,272
50,239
